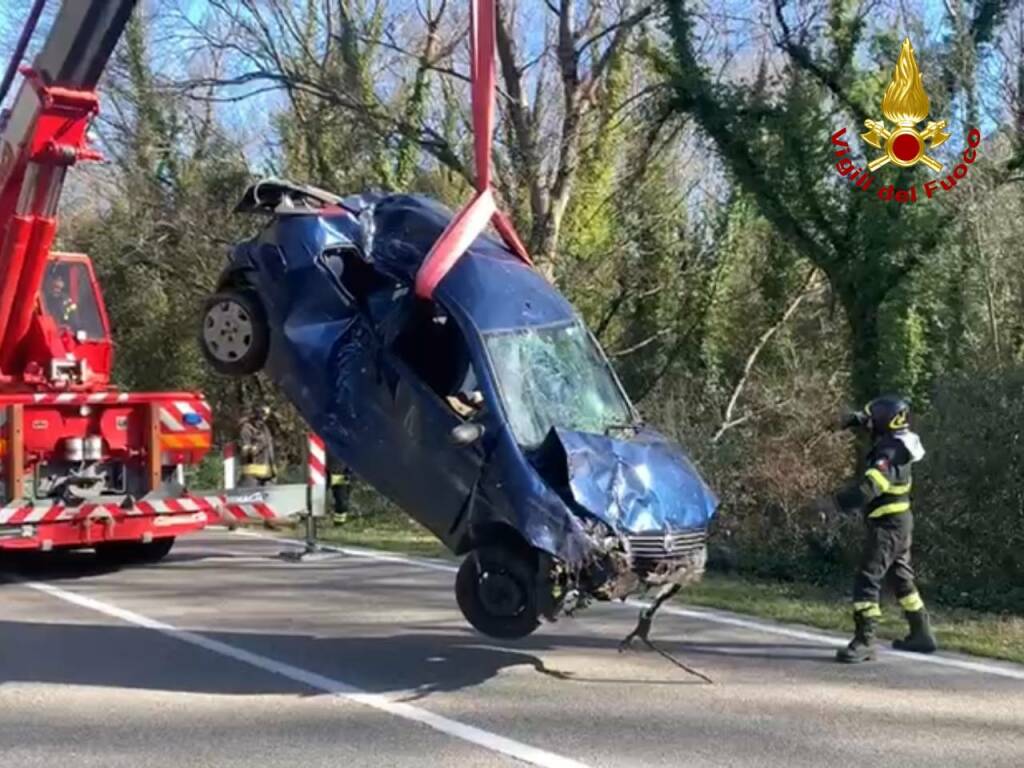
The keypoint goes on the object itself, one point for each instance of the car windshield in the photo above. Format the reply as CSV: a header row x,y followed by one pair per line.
x,y
555,376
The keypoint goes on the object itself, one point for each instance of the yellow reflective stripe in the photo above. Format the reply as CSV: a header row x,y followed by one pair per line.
x,y
338,480
881,481
890,509
869,609
899,490
912,602
256,470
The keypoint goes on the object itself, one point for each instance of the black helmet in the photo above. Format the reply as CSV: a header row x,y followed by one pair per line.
x,y
889,413
260,411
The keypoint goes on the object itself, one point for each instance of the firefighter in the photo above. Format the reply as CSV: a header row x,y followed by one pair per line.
x,y
257,448
339,478
59,304
883,493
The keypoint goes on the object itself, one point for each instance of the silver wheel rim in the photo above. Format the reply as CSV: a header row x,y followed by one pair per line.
x,y
227,331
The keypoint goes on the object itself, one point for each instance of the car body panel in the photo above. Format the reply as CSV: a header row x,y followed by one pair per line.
x,y
339,358
639,485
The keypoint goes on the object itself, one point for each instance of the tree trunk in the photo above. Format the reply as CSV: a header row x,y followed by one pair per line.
x,y
862,317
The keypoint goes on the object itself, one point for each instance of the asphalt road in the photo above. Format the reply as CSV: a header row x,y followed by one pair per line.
x,y
226,655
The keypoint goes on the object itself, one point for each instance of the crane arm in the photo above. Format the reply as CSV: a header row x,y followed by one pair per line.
x,y
41,135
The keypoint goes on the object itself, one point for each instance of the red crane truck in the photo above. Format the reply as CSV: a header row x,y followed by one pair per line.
x,y
83,464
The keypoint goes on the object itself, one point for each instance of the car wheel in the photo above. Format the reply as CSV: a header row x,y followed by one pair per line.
x,y
235,335
496,590
131,552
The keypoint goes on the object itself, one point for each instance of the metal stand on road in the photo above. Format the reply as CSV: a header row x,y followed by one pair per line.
x,y
316,498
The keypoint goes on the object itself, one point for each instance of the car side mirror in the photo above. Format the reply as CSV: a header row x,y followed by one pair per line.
x,y
467,434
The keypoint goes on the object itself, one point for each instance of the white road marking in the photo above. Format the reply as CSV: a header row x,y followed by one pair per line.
x,y
445,725
1014,672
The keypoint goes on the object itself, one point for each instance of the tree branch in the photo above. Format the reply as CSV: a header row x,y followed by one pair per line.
x,y
727,419
802,57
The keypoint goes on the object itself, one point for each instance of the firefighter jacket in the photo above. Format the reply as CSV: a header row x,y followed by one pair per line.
x,y
256,449
337,473
61,308
885,486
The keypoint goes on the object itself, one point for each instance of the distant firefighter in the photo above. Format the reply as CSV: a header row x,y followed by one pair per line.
x,y
257,449
340,481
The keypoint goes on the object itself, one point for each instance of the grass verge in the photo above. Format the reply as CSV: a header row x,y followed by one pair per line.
x,y
981,634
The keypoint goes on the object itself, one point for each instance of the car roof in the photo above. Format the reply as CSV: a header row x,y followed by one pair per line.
x,y
489,286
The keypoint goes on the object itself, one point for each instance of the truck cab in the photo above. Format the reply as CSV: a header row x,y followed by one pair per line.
x,y
68,344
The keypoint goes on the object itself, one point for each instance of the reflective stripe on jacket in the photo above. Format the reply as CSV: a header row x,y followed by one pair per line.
x,y
885,486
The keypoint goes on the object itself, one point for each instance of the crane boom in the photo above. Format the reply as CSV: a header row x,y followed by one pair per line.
x,y
41,135
82,463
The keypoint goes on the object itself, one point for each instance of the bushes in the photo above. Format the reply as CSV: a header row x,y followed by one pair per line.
x,y
968,499
970,492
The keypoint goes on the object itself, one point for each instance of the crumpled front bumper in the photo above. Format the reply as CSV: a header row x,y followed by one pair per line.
x,y
659,558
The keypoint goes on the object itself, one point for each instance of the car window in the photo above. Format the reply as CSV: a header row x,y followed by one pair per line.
x,y
358,278
68,298
433,346
555,376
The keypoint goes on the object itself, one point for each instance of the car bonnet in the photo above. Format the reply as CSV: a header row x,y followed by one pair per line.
x,y
638,485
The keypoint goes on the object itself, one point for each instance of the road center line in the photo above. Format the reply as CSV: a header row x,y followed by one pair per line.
x,y
481,738
1014,672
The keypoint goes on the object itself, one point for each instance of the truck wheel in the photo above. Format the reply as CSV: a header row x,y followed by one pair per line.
x,y
496,589
235,336
132,552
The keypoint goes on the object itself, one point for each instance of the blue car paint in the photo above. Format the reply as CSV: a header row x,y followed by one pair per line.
x,y
638,485
334,361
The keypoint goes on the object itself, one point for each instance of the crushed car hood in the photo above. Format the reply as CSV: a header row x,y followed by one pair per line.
x,y
642,484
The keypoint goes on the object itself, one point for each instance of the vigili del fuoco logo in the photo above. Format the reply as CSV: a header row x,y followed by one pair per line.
x,y
905,105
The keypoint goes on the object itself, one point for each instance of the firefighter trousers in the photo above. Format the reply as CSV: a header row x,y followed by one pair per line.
x,y
886,557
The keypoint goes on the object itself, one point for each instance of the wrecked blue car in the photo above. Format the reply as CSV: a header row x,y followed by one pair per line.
x,y
490,415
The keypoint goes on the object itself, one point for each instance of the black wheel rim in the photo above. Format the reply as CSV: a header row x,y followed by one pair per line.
x,y
500,594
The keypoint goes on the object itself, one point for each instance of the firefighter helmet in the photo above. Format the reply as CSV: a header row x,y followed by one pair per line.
x,y
889,413
260,411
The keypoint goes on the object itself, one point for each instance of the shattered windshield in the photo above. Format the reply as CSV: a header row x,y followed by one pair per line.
x,y
555,376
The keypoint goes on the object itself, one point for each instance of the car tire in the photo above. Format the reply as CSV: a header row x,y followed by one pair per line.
x,y
496,589
234,336
134,552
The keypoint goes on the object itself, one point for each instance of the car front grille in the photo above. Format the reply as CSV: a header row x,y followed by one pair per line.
x,y
659,546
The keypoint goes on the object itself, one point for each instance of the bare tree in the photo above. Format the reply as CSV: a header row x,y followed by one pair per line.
x,y
359,59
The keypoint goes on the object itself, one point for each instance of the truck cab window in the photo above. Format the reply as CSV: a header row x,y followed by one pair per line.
x,y
70,301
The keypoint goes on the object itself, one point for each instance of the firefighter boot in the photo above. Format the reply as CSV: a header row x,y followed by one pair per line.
x,y
920,639
862,647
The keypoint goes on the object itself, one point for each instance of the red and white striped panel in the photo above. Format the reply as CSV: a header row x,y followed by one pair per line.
x,y
81,398
317,462
217,509
19,514
172,415
186,399
240,513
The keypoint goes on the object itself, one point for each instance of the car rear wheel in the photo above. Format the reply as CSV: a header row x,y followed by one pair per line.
x,y
132,552
496,589
235,336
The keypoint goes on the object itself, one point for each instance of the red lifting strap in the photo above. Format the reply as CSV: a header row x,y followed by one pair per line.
x,y
472,220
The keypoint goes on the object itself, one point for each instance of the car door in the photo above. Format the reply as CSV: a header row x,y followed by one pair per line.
x,y
440,475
